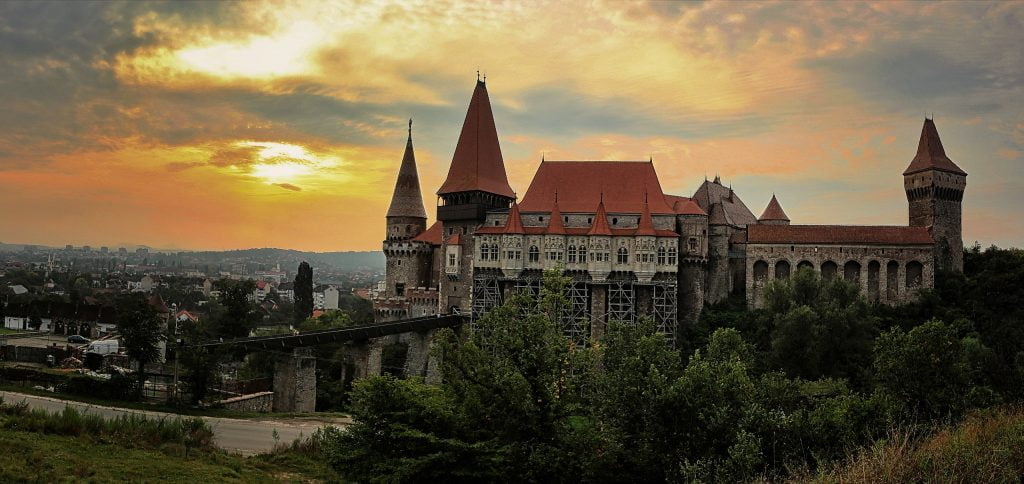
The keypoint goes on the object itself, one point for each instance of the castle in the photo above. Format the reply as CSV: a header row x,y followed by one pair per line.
x,y
632,250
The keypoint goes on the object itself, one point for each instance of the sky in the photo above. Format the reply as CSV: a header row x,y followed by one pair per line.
x,y
220,125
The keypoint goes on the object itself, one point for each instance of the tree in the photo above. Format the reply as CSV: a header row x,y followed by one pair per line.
x,y
303,292
140,330
820,328
926,370
234,314
200,363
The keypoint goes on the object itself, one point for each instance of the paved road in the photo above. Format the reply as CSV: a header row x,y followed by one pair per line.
x,y
246,437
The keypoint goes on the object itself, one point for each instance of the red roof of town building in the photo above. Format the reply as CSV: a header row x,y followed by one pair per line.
x,y
477,163
432,235
931,154
582,184
455,239
774,211
407,201
600,225
838,234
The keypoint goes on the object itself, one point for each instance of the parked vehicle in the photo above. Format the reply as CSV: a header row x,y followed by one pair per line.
x,y
103,347
78,339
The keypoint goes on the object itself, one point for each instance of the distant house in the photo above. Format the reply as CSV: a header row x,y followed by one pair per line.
x,y
18,289
331,298
286,292
185,316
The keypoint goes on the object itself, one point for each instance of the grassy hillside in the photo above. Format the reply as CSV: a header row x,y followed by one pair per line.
x,y
985,447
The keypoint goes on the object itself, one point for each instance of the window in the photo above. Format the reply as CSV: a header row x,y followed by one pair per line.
x,y
534,254
541,218
583,255
399,289
693,244
496,223
623,256
408,229
398,262
661,255
615,221
572,254
451,259
672,255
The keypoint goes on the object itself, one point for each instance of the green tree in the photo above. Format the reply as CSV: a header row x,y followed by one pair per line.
x,y
820,328
303,292
925,370
234,315
140,330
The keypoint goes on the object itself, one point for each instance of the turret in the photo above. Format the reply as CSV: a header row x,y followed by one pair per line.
x,y
406,217
773,214
935,188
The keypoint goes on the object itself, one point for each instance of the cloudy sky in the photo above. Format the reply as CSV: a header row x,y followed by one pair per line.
x,y
215,125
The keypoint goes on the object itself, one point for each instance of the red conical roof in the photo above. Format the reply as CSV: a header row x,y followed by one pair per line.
x,y
477,163
514,224
407,201
774,211
600,226
555,225
930,154
646,224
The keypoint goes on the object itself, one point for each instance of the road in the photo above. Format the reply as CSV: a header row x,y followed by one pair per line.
x,y
247,437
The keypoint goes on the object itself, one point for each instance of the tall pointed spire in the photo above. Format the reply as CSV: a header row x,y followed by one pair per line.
x,y
930,153
477,164
407,201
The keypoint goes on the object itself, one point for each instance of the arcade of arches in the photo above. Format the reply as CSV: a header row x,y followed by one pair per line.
x,y
889,275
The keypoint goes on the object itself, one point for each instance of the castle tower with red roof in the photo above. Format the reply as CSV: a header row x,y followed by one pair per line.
x,y
935,189
409,259
476,184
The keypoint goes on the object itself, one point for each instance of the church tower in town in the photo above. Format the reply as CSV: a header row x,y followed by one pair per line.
x,y
935,189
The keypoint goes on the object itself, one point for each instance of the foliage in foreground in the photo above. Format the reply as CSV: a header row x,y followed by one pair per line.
x,y
131,430
987,446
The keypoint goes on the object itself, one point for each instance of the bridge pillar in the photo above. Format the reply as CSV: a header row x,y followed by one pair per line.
x,y
374,357
295,382
418,353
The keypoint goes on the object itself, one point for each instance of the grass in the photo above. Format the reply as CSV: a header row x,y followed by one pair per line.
x,y
69,446
986,447
31,457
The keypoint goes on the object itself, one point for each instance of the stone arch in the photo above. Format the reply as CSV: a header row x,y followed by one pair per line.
x,y
829,269
782,269
874,271
915,273
851,272
805,264
892,281
760,271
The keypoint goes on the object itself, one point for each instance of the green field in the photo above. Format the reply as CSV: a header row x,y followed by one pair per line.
x,y
34,457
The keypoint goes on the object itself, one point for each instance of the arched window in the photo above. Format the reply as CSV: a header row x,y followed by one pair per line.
x,y
572,254
828,269
583,254
534,254
851,272
760,271
914,274
661,255
782,269
672,256
623,256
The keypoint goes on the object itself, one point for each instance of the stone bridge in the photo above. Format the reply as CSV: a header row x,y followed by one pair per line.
x,y
295,371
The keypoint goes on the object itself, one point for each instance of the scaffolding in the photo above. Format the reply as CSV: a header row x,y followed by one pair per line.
x,y
621,302
666,310
486,295
576,317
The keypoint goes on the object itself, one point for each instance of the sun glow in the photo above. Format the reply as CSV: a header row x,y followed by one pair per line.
x,y
277,163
